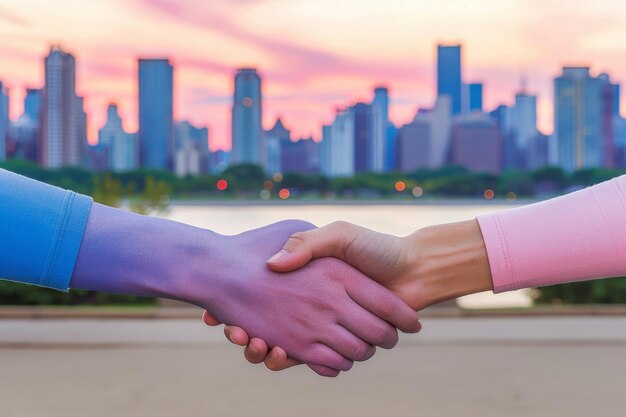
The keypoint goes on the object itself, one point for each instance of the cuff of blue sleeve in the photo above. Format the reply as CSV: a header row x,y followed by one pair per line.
x,y
70,231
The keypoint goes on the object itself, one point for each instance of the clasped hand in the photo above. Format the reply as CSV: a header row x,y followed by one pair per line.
x,y
326,314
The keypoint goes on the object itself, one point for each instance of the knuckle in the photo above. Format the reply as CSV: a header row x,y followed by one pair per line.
x,y
298,238
362,352
387,307
385,336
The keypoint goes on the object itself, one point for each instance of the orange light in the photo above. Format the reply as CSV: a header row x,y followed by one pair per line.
x,y
283,193
268,185
222,185
489,194
400,186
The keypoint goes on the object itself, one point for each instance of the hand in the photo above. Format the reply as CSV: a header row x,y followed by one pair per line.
x,y
326,314
431,265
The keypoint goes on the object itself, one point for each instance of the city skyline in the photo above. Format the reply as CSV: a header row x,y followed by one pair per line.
x,y
308,73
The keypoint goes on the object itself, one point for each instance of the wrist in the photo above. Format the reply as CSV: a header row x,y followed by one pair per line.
x,y
449,261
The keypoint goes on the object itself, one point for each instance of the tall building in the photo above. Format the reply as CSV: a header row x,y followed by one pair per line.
x,y
4,120
156,113
537,152
616,100
577,119
337,153
391,161
62,133
32,104
378,130
476,144
362,119
523,122
608,113
475,97
274,139
301,156
121,146
25,130
192,149
247,119
449,80
414,146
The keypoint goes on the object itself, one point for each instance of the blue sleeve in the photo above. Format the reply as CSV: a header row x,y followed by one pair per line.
x,y
41,229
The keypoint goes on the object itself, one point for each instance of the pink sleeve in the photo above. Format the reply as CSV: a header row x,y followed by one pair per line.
x,y
576,237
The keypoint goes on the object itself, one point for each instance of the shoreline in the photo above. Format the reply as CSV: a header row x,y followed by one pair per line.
x,y
353,202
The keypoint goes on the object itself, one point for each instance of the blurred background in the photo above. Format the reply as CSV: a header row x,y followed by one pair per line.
x,y
393,115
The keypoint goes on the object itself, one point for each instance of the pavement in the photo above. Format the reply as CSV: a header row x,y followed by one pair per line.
x,y
482,366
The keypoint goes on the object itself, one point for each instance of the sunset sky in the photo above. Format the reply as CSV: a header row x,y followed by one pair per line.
x,y
313,55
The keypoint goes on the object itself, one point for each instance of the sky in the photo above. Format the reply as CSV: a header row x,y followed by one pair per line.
x,y
313,55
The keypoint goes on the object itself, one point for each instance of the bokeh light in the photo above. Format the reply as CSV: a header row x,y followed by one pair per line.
x,y
277,177
400,186
489,194
222,185
511,196
283,193
268,185
265,195
417,191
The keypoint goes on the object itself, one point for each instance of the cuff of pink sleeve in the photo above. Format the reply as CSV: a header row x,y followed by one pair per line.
x,y
498,253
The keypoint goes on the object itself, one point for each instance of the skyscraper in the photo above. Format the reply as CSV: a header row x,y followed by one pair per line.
x,y
121,146
61,142
608,113
247,128
362,116
449,81
32,104
156,119
4,120
378,130
274,140
577,119
337,154
192,149
475,97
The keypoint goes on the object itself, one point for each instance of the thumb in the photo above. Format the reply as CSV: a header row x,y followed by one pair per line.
x,y
301,247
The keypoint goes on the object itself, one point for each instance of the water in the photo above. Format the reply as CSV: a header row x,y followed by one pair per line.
x,y
394,219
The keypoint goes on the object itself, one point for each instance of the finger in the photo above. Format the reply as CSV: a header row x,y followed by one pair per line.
x,y
348,345
324,371
379,301
369,327
209,320
277,360
301,247
320,354
256,350
236,335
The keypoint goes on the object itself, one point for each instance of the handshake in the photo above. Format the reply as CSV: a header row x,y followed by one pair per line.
x,y
292,293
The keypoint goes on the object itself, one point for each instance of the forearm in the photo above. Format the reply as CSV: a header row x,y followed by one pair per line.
x,y
448,261
41,228
127,253
579,236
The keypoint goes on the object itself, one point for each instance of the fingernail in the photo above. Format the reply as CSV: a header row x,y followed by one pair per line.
x,y
278,257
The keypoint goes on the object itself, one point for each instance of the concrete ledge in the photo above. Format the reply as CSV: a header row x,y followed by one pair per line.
x,y
188,312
